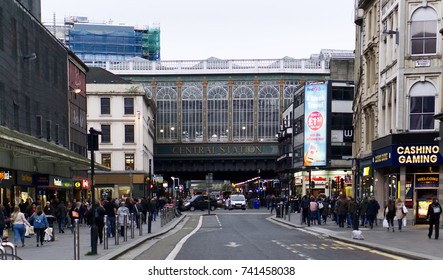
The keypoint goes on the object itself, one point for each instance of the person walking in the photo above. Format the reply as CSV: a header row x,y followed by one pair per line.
x,y
433,215
2,222
399,213
305,210
371,211
342,210
390,214
40,223
313,209
363,210
110,211
60,214
74,213
123,211
18,223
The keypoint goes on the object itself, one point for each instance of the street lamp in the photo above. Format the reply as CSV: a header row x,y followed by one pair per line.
x,y
93,146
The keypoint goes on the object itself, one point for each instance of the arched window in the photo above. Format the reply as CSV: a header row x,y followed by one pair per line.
x,y
268,113
422,106
289,93
166,119
243,113
424,31
217,113
192,114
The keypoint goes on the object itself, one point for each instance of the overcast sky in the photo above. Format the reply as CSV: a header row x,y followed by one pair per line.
x,y
226,29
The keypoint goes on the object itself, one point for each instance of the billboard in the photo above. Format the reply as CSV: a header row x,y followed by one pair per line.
x,y
315,133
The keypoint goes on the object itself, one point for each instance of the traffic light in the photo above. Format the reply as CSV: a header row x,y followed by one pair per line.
x,y
151,186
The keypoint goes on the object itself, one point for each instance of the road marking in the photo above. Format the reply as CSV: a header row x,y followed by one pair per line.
x,y
233,244
218,221
371,251
179,245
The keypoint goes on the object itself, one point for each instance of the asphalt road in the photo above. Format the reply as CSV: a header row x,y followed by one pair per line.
x,y
239,235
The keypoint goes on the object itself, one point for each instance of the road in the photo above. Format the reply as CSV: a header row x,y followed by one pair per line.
x,y
239,235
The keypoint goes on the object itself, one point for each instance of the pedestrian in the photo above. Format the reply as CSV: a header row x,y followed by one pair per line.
x,y
325,210
352,208
363,210
122,211
313,208
305,210
49,209
433,215
2,222
273,203
390,214
60,214
99,218
153,208
74,214
342,210
40,223
399,213
18,223
110,211
371,211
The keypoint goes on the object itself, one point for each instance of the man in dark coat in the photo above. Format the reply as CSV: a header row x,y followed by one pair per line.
x,y
434,211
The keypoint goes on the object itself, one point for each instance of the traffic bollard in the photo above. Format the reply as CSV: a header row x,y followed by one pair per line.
x,y
105,235
76,240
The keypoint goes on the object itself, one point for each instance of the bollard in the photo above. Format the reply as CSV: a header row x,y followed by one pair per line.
x,y
161,217
125,228
105,235
117,231
76,240
149,222
132,225
289,213
140,225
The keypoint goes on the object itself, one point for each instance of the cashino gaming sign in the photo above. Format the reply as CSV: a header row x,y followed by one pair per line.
x,y
408,155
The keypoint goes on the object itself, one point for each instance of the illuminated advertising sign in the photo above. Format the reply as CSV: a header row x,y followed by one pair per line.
x,y
420,154
315,133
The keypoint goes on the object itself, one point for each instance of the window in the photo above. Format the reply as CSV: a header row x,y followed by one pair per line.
x,y
105,105
217,114
424,31
268,112
106,133
242,113
129,133
129,161
129,106
106,160
422,106
192,113
167,116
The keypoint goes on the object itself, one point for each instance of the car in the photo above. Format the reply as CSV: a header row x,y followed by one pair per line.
x,y
237,201
200,202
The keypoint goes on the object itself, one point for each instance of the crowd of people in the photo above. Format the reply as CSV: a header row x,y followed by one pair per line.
x,y
345,211
40,217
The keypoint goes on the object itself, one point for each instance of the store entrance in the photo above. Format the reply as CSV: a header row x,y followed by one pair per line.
x,y
424,198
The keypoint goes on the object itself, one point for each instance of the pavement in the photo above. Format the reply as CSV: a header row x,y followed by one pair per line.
x,y
412,242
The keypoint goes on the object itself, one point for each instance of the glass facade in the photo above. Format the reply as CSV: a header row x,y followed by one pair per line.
x,y
223,110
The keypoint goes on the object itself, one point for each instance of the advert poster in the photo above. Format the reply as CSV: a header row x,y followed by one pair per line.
x,y
315,134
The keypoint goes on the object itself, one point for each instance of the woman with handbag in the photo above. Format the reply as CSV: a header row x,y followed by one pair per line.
x,y
18,223
40,223
390,214
399,213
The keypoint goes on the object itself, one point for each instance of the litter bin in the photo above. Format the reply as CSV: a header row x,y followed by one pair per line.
x,y
251,204
278,211
256,204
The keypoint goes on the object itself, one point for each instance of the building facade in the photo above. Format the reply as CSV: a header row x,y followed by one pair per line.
x,y
220,116
405,152
36,161
124,115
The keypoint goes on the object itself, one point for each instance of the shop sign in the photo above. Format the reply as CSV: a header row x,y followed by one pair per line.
x,y
4,175
85,184
41,179
77,185
408,155
24,178
426,181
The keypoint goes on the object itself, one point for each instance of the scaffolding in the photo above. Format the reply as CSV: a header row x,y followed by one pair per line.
x,y
151,43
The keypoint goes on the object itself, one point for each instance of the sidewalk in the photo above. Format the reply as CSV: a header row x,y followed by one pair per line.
x,y
412,242
63,246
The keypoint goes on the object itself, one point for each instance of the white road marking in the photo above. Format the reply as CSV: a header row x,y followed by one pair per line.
x,y
179,245
233,244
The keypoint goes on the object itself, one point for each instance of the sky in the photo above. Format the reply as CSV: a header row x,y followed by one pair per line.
x,y
226,29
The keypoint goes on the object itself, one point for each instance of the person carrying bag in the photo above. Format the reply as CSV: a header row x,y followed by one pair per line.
x,y
40,223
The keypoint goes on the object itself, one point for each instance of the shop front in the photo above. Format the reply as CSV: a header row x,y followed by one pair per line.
x,y
330,183
25,186
7,182
81,188
411,173
63,188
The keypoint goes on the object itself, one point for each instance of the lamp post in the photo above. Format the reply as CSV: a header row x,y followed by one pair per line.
x,y
93,146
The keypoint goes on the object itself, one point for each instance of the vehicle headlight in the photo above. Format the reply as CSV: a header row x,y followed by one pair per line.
x,y
187,204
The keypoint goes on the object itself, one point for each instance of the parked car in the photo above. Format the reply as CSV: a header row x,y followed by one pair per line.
x,y
200,202
237,201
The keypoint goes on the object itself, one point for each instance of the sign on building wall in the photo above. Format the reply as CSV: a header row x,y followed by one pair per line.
x,y
315,133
